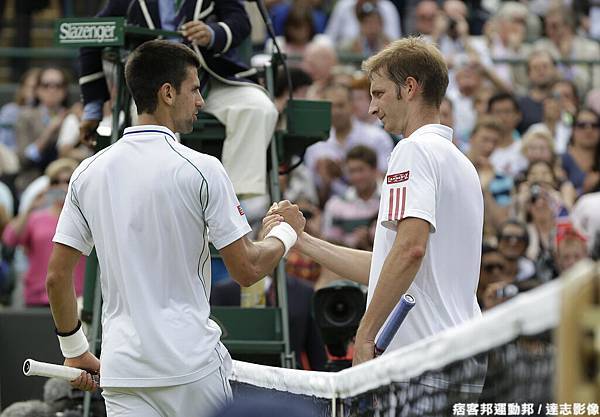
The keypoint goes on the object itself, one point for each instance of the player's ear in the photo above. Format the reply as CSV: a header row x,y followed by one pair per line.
x,y
166,93
411,86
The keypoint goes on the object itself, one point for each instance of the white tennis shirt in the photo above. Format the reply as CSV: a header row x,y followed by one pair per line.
x,y
148,204
429,178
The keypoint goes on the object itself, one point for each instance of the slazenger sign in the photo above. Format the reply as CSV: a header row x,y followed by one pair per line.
x,y
89,32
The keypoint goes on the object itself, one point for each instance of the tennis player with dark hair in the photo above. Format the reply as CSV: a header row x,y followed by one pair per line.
x,y
150,206
430,221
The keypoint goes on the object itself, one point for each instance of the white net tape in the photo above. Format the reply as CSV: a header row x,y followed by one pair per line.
x,y
529,313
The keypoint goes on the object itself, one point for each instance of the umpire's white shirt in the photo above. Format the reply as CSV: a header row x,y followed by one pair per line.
x,y
429,178
147,203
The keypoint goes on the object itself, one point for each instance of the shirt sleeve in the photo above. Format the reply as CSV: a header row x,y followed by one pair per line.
x,y
409,188
73,229
225,217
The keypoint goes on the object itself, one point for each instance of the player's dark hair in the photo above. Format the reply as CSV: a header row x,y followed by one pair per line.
x,y
153,64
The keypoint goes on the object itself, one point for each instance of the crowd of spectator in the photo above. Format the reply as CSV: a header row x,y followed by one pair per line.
x,y
523,100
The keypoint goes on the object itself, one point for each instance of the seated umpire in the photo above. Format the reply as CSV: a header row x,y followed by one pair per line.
x,y
213,28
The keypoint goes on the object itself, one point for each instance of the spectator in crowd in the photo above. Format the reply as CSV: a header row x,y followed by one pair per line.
x,y
513,240
581,162
325,159
425,15
538,146
34,230
361,98
67,144
318,61
280,15
37,127
559,108
542,208
571,247
343,25
9,113
347,219
586,220
568,97
371,38
562,41
468,82
506,158
505,35
541,74
298,29
493,270
496,187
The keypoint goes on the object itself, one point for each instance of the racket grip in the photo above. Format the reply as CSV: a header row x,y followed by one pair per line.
x,y
50,370
393,324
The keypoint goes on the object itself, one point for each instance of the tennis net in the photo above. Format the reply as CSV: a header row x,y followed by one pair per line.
x,y
501,364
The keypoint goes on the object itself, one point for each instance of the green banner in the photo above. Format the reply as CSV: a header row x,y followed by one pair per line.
x,y
77,32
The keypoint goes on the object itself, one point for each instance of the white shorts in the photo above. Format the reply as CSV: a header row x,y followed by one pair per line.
x,y
201,398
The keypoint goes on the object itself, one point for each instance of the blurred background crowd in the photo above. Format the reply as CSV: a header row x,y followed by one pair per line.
x,y
523,100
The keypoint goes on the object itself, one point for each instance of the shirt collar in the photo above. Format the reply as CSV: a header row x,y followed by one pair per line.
x,y
442,130
150,129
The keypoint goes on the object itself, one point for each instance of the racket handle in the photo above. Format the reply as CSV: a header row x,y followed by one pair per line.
x,y
393,324
50,370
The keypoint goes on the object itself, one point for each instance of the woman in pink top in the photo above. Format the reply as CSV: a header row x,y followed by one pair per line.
x,y
34,230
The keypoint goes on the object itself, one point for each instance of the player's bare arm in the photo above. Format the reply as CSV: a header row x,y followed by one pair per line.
x,y
399,270
352,264
247,261
63,303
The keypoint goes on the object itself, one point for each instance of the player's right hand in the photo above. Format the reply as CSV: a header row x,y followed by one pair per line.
x,y
87,132
269,222
91,364
291,215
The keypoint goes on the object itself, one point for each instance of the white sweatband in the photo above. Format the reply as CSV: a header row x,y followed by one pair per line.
x,y
286,234
74,345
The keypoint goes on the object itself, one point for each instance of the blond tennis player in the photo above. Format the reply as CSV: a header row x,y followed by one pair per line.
x,y
429,226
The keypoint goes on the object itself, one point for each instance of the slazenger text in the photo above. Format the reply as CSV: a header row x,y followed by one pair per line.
x,y
70,32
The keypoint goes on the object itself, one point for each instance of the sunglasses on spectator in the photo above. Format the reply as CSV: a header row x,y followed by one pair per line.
x,y
514,238
490,267
582,125
52,85
57,181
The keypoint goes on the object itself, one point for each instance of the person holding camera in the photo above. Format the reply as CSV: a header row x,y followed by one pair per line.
x,y
34,229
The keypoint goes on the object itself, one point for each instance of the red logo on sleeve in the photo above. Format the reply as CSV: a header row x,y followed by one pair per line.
x,y
399,177
241,210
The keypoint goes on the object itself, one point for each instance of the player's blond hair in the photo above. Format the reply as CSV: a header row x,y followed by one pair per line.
x,y
416,58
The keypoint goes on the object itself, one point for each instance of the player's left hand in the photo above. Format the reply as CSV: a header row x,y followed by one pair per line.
x,y
364,350
197,32
88,362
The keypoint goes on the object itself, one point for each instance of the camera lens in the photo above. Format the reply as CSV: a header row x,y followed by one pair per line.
x,y
339,312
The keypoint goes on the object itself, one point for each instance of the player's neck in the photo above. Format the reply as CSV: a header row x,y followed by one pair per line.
x,y
156,119
420,117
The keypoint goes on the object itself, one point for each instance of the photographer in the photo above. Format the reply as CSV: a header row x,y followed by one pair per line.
x,y
34,229
542,206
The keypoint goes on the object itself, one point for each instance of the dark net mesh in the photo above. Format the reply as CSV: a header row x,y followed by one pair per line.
x,y
515,378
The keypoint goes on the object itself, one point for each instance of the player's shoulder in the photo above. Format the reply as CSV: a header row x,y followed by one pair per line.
x,y
89,164
198,159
